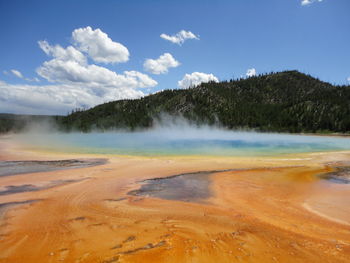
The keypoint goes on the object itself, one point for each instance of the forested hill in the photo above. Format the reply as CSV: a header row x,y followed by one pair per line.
x,y
286,102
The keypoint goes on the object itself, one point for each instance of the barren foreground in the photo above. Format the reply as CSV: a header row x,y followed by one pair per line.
x,y
234,210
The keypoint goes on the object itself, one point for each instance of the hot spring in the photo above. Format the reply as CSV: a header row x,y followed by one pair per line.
x,y
183,141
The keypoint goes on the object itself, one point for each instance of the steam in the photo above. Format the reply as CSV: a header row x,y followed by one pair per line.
x,y
175,136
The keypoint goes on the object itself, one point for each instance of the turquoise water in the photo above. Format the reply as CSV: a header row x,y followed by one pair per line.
x,y
189,141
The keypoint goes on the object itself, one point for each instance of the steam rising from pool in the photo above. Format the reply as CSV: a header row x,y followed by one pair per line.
x,y
181,138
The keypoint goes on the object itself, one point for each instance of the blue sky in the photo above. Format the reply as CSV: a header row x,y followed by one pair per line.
x,y
229,38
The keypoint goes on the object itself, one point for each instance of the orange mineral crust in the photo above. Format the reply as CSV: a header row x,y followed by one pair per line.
x,y
194,209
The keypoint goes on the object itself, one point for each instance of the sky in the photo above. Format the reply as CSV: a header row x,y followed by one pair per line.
x,y
56,56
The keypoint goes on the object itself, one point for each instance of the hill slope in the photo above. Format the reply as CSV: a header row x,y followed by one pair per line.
x,y
286,101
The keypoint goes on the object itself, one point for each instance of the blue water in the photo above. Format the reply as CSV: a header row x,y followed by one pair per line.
x,y
187,141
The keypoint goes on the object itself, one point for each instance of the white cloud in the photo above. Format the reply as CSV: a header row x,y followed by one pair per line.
x,y
17,73
42,99
32,80
141,80
69,67
251,72
64,54
348,79
180,37
161,65
196,78
75,83
309,2
99,46
55,99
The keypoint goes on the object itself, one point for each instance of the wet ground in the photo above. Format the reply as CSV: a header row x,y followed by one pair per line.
x,y
280,212
6,206
340,175
188,187
14,189
8,168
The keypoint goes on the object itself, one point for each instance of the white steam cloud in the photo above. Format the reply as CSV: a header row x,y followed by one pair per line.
x,y
178,136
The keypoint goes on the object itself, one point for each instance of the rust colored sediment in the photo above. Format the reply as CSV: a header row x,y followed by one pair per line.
x,y
271,210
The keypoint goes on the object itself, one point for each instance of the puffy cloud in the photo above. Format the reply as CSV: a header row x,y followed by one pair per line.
x,y
17,73
161,65
309,2
348,79
71,72
180,37
42,99
55,99
68,67
251,72
141,80
196,78
64,54
99,46
75,82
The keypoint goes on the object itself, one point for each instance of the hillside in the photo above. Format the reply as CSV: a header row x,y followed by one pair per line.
x,y
286,101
